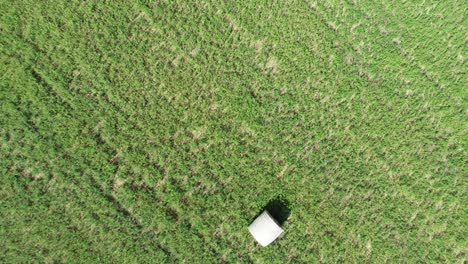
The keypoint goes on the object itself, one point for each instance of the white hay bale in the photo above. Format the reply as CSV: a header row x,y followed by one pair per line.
x,y
265,229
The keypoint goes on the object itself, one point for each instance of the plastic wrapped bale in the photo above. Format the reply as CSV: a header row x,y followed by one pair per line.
x,y
265,229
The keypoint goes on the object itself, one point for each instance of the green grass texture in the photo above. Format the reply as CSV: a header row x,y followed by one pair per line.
x,y
155,131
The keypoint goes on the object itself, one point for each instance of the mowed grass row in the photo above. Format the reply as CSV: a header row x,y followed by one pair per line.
x,y
155,132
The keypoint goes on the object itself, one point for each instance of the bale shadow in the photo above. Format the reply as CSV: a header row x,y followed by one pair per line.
x,y
278,208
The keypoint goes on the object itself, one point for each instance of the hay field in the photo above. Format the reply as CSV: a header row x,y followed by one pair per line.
x,y
155,131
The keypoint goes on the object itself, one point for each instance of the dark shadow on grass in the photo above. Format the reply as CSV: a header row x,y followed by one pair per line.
x,y
278,208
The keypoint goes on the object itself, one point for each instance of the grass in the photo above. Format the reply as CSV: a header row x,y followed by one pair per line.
x,y
155,131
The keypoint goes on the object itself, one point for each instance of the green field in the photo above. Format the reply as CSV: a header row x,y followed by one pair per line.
x,y
155,131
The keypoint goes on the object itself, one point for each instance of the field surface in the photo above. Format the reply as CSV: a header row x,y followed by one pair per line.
x,y
155,131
